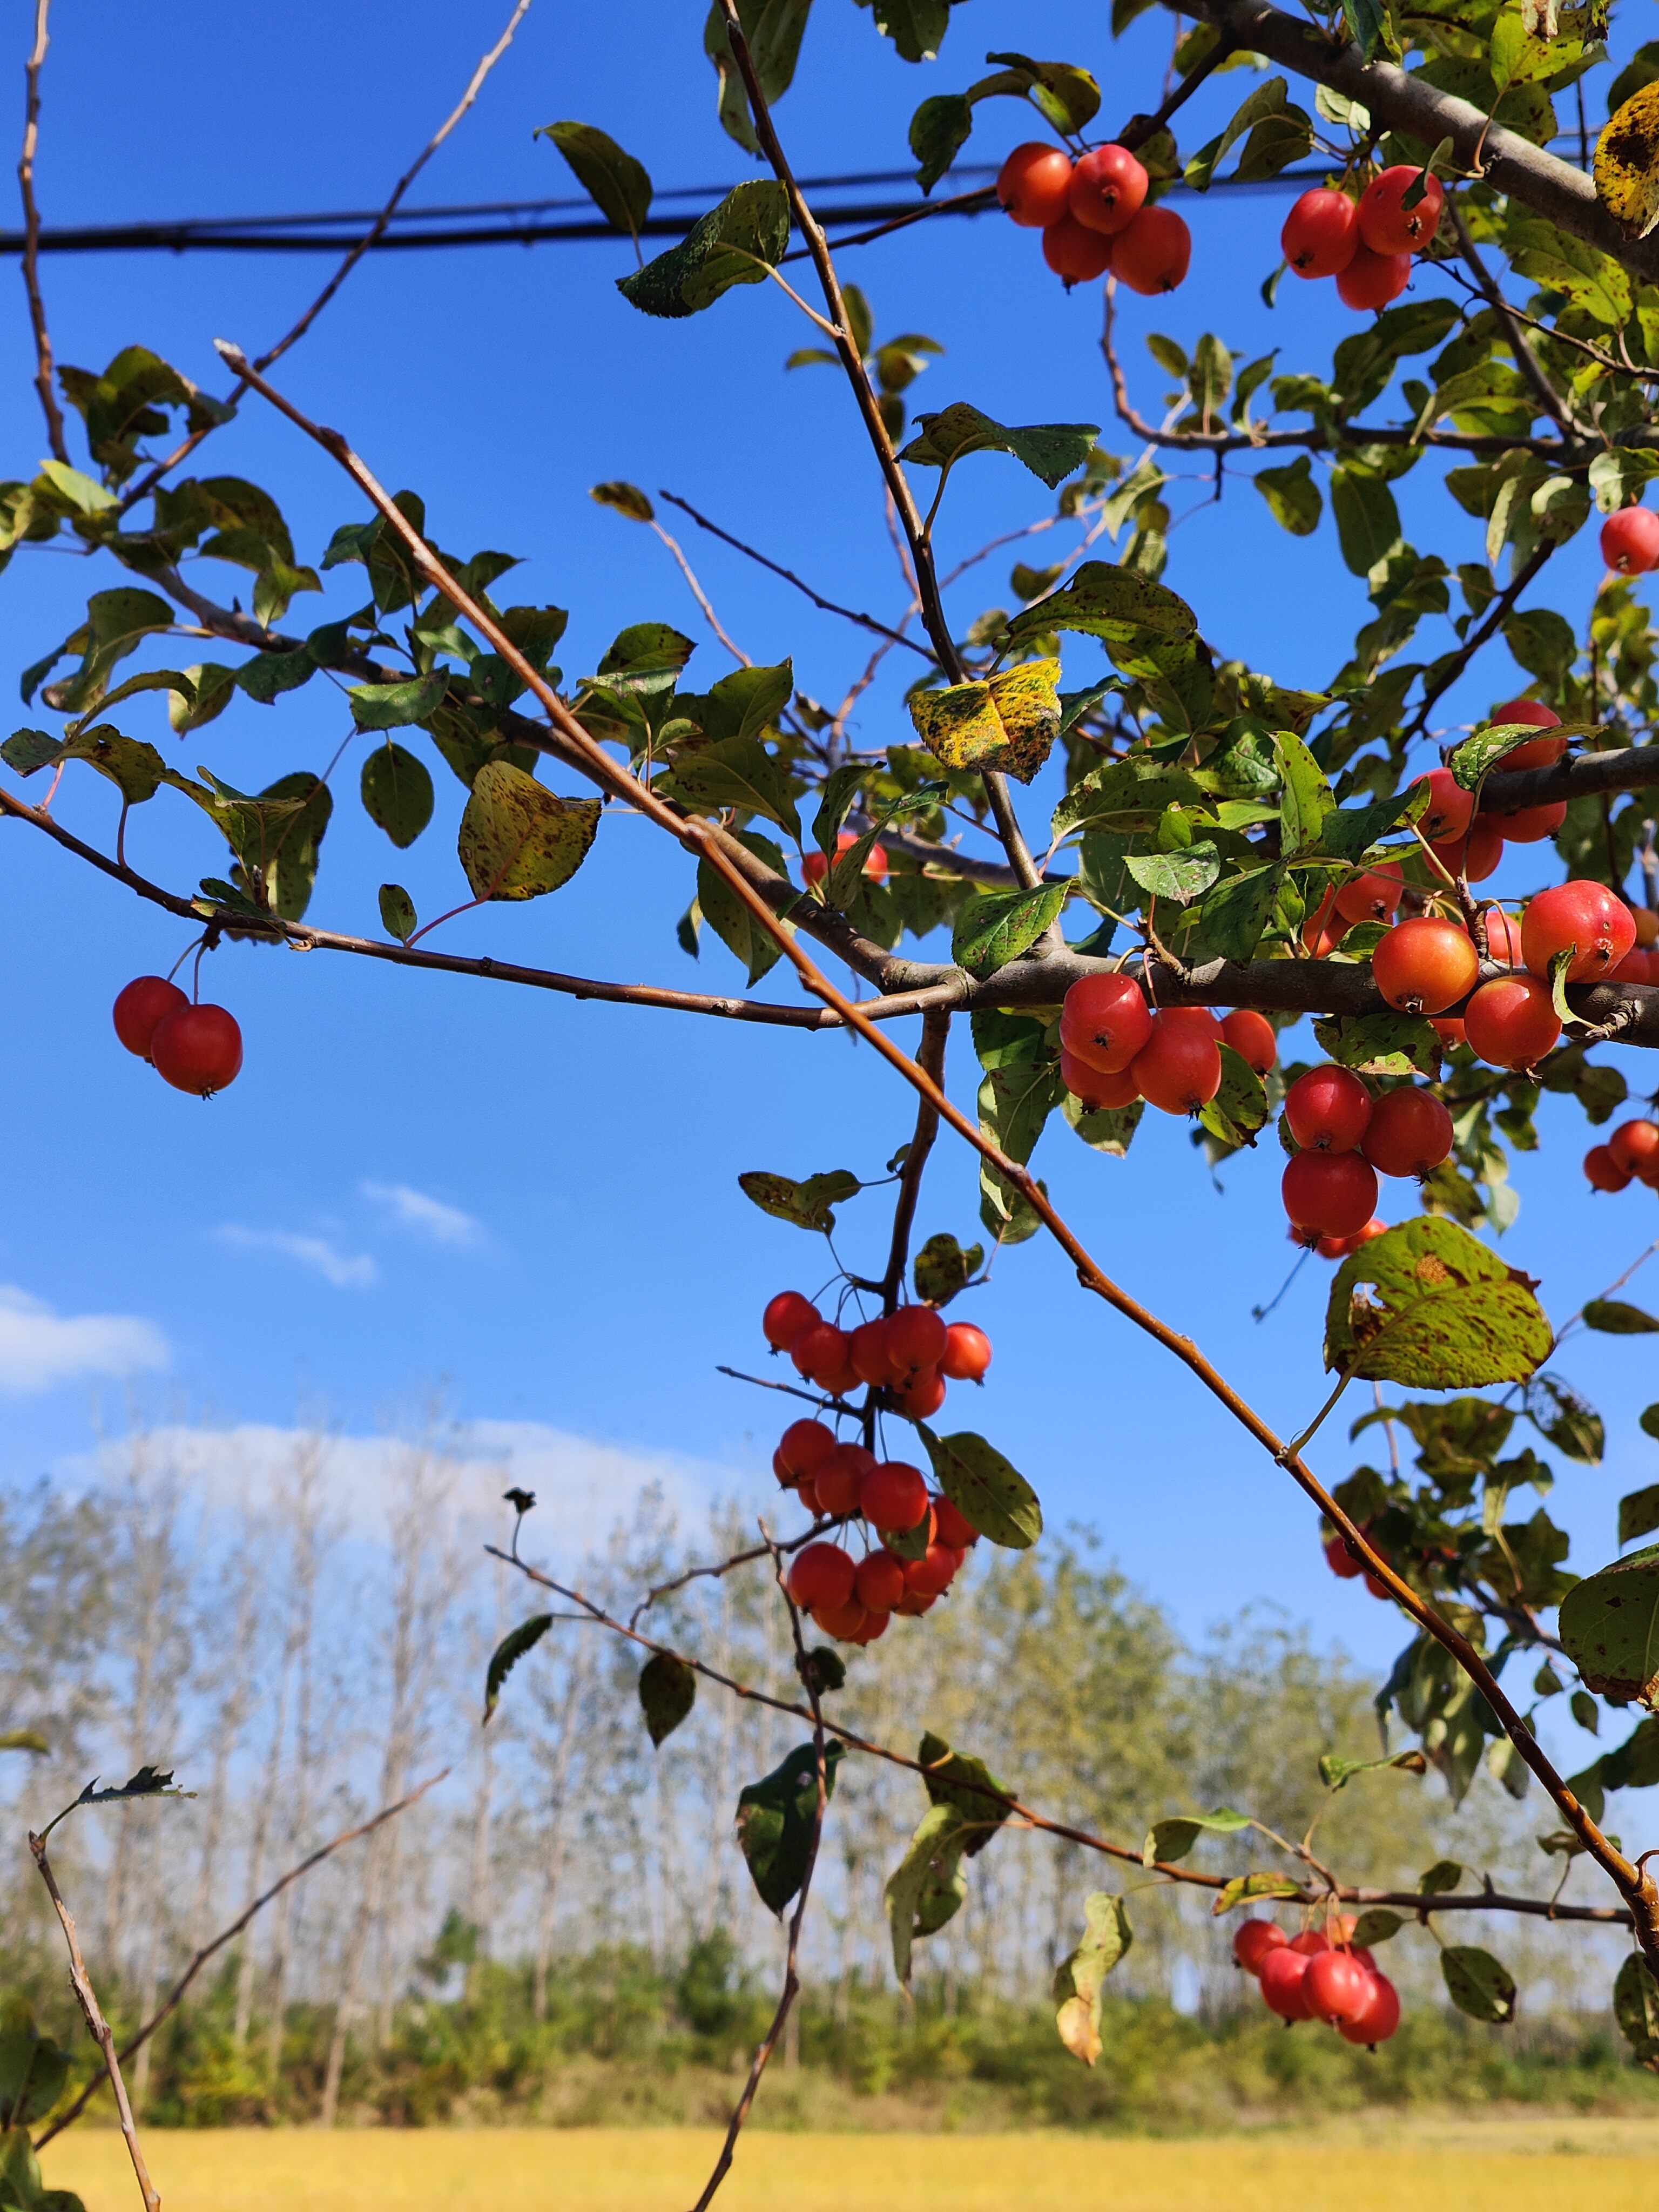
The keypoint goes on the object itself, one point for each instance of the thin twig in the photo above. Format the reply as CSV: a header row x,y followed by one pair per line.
x,y
930,1055
229,1935
1548,398
1501,608
699,594
97,2027
32,68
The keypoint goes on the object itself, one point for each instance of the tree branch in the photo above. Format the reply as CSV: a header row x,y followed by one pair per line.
x,y
1547,397
31,68
930,1056
1501,606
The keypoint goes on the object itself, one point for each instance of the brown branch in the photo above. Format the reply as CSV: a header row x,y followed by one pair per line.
x,y
32,68
830,607
698,592
97,2027
1501,608
171,2002
1140,128
930,1056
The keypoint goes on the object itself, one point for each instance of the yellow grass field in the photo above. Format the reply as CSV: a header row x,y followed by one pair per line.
x,y
1523,2164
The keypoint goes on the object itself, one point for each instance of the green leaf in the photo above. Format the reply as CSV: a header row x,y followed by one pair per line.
x,y
1477,1984
1267,101
1167,1842
118,622
1015,1101
1565,1420
1180,876
1380,1044
668,1690
1609,1624
776,1817
1335,1772
997,927
804,1205
1308,797
1080,1977
837,792
1244,1888
1376,1926
1064,95
959,1780
1613,1317
1452,1315
397,792
153,679
942,1268
1349,832
1635,2006
739,242
28,751
940,129
627,498
397,914
736,772
1051,451
1638,1514
1237,911
509,1652
1292,496
617,184
1239,1108
1101,600
1367,519
988,1492
1441,1879
917,28
517,840
1472,759
927,1886
23,1739
1109,1130
1008,721
32,2073
390,706
268,675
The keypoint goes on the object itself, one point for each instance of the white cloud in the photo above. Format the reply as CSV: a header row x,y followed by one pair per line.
x,y
347,1272
428,1217
39,1348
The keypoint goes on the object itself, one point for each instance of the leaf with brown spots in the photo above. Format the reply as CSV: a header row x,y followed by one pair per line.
x,y
1627,163
1008,723
1451,1315
1610,1626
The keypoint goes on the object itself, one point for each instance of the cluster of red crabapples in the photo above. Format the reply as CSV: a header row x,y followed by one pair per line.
x,y
1093,215
196,1048
1308,1976
1631,1152
908,1354
815,866
1366,244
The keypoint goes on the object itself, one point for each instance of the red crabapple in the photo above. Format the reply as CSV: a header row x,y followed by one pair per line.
x,y
1252,1036
786,1316
1635,1146
1033,184
1151,256
1281,1976
1321,233
1409,1133
1424,965
879,1581
1604,1170
967,1352
1584,916
1451,809
1107,190
1537,752
1511,1022
1372,280
821,1576
1105,1020
1380,2018
1386,225
893,1497
1327,1110
1329,1193
196,1048
1075,253
1253,1939
141,1007
804,1447
1630,541
1178,1069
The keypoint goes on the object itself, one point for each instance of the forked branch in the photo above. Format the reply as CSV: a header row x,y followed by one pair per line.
x,y
32,70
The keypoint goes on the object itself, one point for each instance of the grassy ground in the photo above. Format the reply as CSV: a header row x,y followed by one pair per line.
x,y
1499,2164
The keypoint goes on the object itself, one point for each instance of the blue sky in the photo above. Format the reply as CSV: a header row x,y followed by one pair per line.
x,y
528,1203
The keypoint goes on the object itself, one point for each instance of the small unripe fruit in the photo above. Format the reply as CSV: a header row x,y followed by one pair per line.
x,y
1386,225
879,1581
1099,1093
894,1496
1033,184
821,1576
1107,189
1451,809
1328,1110
1372,280
1329,1193
1281,1976
1604,1170
1252,1036
1424,965
1321,233
1178,1069
967,1352
1153,254
1630,541
1075,253
1635,1146
1380,2018
1409,1133
1337,1988
1537,752
196,1048
1105,1020
1373,895
1511,1022
140,1009
1253,1939
804,1447
1583,916
785,1318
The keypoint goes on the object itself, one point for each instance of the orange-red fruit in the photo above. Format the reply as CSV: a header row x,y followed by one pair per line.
x,y
1200,1017
1033,184
1099,1092
1321,233
786,1316
1075,251
1310,1942
1253,1939
1329,1193
1504,938
1340,1561
820,1577
807,1491
1584,916
1105,1020
1537,752
1380,2016
922,1395
1178,1069
141,1007
1372,280
842,1621
804,1447
967,1352
1252,1036
894,1496
1338,1248
1328,1110
820,1352
1646,926
196,1048
1475,853
1630,541
815,866
1409,1133
953,1527
871,1354
1372,895
1511,1022
1424,965
1451,809
838,1482
1337,1988
1531,825
1635,1146
872,1625
1386,225
913,1603
931,1574
1281,1975
915,1338
1107,190
1153,254
1604,1170
879,1581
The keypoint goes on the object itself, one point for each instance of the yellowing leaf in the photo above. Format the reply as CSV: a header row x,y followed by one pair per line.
x,y
1008,723
1627,163
517,840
